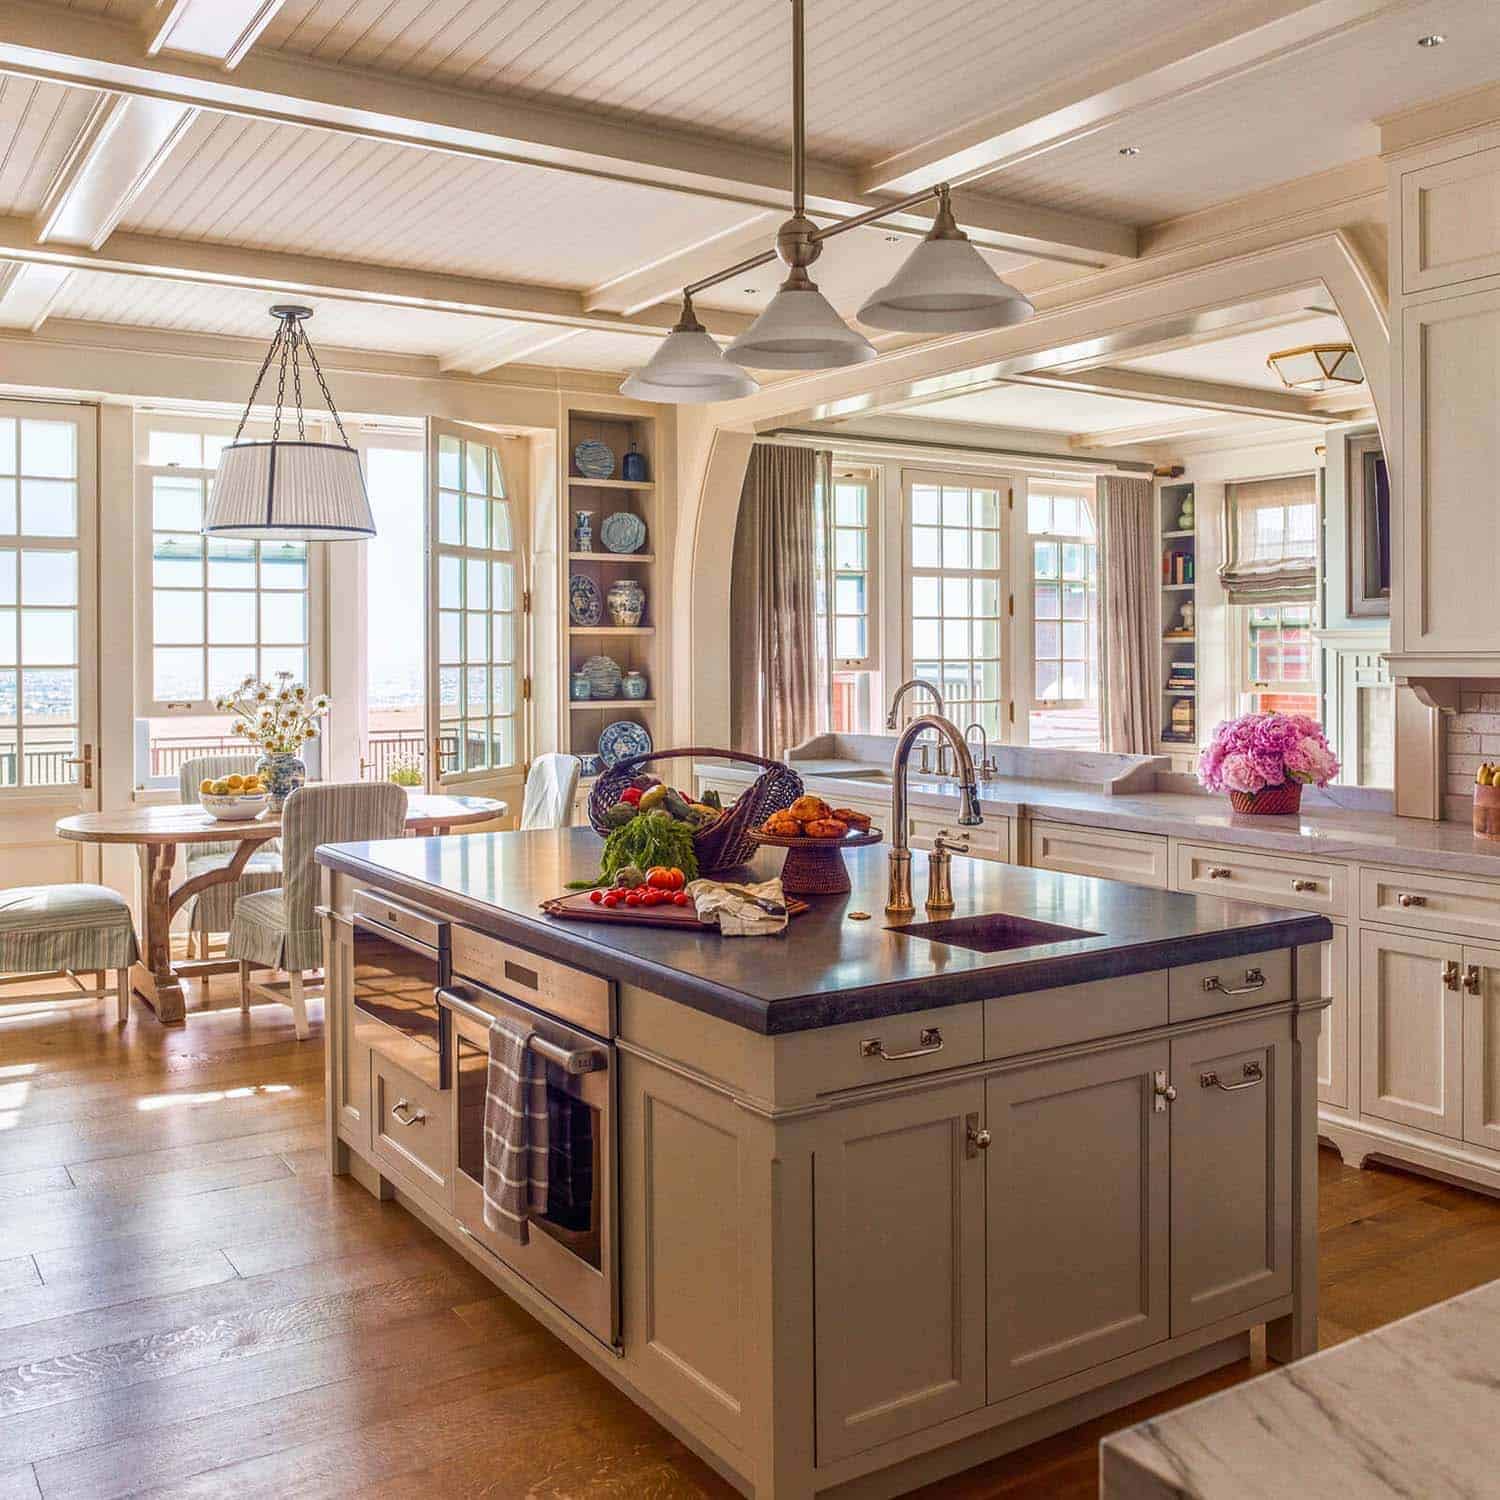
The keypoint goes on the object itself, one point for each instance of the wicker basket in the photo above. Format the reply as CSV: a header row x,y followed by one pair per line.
x,y
1282,799
726,843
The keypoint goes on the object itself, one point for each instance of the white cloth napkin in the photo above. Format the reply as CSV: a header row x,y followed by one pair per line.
x,y
741,910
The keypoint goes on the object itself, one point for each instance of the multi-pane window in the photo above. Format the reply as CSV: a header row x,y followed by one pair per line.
x,y
1280,661
1065,618
851,552
955,572
40,636
221,608
479,595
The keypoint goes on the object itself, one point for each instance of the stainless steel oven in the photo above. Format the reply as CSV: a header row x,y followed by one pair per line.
x,y
572,1252
401,960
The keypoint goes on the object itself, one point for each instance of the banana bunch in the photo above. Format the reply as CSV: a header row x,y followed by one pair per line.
x,y
1487,775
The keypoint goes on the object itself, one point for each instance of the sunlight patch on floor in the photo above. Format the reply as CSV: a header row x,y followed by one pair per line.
x,y
213,1096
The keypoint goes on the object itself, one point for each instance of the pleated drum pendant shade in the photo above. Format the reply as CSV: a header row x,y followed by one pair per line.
x,y
295,490
291,489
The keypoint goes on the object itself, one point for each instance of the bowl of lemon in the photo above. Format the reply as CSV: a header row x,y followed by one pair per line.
x,y
234,799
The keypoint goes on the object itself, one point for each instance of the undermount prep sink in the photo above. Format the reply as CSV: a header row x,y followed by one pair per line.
x,y
992,932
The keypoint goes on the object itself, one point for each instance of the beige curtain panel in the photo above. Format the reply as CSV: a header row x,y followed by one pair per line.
x,y
1272,531
1128,537
773,603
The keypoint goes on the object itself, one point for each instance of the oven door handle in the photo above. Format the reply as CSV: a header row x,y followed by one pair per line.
x,y
583,1060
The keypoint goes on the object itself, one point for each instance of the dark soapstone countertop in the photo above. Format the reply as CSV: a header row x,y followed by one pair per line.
x,y
825,969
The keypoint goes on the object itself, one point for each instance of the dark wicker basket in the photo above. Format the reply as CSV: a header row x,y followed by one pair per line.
x,y
727,843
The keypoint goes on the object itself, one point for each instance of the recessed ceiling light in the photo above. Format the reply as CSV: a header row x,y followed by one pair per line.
x,y
1130,150
1432,39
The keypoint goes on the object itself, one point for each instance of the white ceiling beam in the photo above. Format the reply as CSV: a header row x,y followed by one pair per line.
x,y
1175,390
221,29
1228,44
122,145
645,286
99,53
505,346
279,273
1167,428
27,293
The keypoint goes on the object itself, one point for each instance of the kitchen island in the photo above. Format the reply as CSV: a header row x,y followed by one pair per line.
x,y
867,1203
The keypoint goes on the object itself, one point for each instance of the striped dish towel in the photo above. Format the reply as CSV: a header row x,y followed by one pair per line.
x,y
516,1142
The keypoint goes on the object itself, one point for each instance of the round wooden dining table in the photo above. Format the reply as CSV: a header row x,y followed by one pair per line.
x,y
156,831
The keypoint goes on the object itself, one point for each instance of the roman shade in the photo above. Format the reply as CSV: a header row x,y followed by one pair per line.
x,y
1271,528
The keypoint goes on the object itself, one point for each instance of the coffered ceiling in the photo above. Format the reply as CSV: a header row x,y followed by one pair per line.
x,y
531,181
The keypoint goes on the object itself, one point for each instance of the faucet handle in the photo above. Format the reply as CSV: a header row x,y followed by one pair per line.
x,y
945,841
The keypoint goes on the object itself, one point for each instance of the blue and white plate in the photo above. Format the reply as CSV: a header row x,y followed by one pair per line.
x,y
585,603
595,460
603,673
624,531
622,740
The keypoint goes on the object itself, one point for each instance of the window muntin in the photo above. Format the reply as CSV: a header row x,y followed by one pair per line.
x,y
1280,656
479,604
1065,618
955,577
40,605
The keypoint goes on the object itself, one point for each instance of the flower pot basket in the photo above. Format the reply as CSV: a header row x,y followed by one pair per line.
x,y
725,843
1286,798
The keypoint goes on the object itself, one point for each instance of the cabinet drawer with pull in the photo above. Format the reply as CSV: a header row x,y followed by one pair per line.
x,y
413,1139
1433,903
880,1051
1229,984
989,840
1107,853
1307,885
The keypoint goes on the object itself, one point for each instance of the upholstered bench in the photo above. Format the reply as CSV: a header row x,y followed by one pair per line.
x,y
48,930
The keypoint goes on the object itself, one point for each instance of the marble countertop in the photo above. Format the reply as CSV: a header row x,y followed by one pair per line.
x,y
1408,1410
826,969
1323,829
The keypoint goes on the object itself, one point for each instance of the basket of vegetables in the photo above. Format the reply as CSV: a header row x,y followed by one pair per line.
x,y
645,822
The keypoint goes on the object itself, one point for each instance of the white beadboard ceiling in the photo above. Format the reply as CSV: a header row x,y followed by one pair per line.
x,y
1306,113
38,123
325,193
883,75
1241,359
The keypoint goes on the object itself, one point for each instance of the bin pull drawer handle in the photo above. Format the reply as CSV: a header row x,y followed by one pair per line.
x,y
1254,1074
931,1040
1254,980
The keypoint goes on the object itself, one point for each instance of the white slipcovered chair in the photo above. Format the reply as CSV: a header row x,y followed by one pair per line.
x,y
212,910
62,930
551,786
280,929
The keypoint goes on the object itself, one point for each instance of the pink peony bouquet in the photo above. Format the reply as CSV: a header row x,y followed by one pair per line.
x,y
1257,751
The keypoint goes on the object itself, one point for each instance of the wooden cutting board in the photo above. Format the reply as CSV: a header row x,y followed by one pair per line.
x,y
576,906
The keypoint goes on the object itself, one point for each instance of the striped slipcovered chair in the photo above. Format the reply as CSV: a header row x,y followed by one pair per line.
x,y
212,910
48,930
280,929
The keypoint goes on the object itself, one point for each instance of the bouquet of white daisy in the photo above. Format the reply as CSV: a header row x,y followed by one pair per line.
x,y
278,716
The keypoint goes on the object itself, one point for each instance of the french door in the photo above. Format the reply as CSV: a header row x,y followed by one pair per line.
x,y
49,502
479,592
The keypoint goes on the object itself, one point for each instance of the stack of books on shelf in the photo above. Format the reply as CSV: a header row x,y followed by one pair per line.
x,y
1183,676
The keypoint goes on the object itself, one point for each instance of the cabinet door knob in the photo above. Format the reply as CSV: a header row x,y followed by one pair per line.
x,y
1163,1091
1218,872
1472,982
1450,974
978,1139
1304,885
1407,899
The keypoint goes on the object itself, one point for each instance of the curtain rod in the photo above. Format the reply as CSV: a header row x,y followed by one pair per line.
x,y
919,447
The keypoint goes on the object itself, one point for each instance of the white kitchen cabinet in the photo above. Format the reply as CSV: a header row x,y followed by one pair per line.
x,y
1231,1170
1108,853
1411,1031
1450,221
1333,1039
1481,986
989,840
899,1268
1078,1215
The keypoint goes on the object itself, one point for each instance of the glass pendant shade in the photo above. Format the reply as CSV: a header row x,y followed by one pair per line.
x,y
1318,367
945,286
799,330
689,366
296,491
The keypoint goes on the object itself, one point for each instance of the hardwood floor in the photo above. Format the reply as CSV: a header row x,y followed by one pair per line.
x,y
190,1306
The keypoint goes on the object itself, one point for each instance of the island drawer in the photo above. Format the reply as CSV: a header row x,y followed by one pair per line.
x,y
1107,853
412,1130
989,840
1039,1019
865,1052
1433,903
1306,884
1229,984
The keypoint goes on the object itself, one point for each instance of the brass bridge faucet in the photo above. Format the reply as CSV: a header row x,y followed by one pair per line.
x,y
898,899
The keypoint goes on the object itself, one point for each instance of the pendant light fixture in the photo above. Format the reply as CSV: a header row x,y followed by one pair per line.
x,y
289,489
945,286
1317,367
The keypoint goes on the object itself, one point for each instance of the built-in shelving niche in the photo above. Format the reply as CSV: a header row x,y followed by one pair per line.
x,y
1177,572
